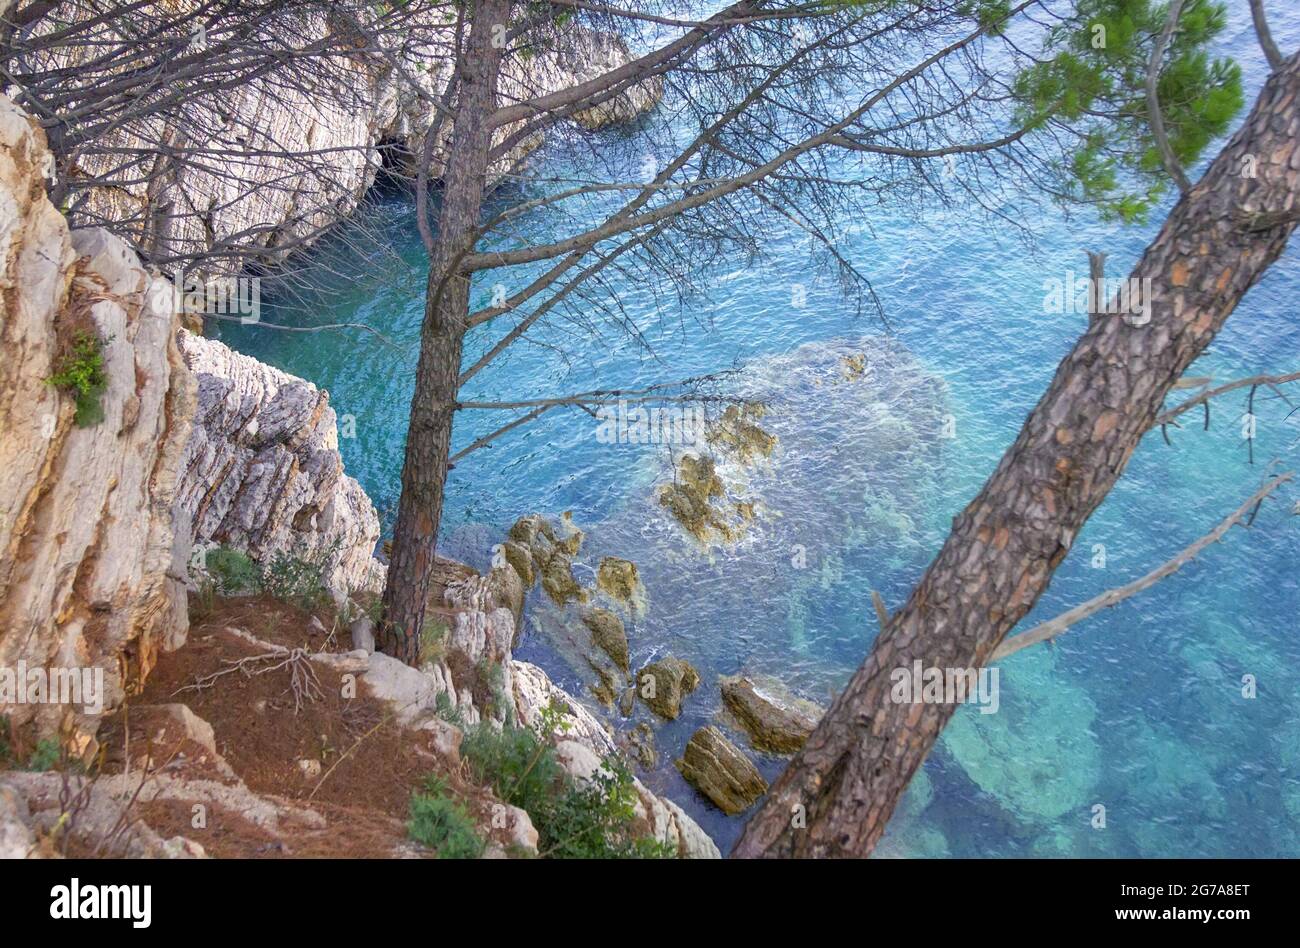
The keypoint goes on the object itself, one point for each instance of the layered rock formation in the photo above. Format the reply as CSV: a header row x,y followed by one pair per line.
x,y
262,471
776,719
87,577
664,685
718,769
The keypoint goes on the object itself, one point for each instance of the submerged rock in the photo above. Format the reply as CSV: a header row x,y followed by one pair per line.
x,y
853,366
664,684
711,510
639,743
738,432
608,634
720,771
776,719
1017,754
689,498
607,686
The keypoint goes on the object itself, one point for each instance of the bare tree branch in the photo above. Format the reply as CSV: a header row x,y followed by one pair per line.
x,y
1157,120
1054,627
1271,52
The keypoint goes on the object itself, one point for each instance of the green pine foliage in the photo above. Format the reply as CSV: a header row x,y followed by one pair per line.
x,y
1094,83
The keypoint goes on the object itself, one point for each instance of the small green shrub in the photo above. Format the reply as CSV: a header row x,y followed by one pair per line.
x,y
443,707
591,820
493,676
232,572
81,374
45,756
229,572
515,762
433,639
594,820
443,824
296,581
6,752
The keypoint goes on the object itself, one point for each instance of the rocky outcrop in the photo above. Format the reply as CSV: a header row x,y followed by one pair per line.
x,y
87,573
619,579
287,158
664,684
16,838
262,471
536,551
608,634
591,54
720,771
103,813
534,692
777,720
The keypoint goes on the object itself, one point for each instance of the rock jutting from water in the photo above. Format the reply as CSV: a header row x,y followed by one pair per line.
x,y
548,557
738,433
664,684
776,719
608,634
621,581
721,771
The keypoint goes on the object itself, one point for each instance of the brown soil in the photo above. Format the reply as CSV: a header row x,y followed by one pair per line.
x,y
369,765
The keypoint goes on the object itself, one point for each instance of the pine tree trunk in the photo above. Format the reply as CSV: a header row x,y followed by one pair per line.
x,y
837,795
428,439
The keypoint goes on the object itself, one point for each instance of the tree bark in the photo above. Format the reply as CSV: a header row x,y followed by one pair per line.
x,y
1005,545
446,320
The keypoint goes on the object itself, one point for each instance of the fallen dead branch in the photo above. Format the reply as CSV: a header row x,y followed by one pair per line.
x,y
303,681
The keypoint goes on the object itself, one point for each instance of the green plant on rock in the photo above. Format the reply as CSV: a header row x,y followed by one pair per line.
x,y
299,582
45,756
592,819
448,712
596,819
493,677
81,374
232,572
442,823
433,640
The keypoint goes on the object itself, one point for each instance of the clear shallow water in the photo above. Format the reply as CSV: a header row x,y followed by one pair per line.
x,y
1139,709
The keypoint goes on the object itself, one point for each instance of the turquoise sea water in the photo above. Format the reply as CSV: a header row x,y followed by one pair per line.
x,y
1139,709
